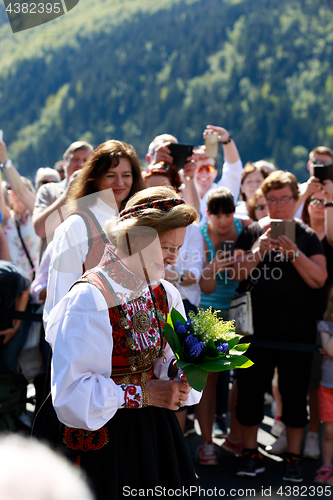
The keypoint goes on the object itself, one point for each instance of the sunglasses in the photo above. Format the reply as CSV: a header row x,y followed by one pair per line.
x,y
316,203
260,207
209,169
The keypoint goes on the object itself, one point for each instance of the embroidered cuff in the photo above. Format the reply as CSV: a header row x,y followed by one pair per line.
x,y
130,396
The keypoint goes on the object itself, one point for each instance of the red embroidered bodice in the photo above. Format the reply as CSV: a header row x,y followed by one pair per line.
x,y
119,305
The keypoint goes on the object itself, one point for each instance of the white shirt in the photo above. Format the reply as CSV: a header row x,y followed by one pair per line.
x,y
40,281
231,179
80,334
17,253
301,188
70,249
190,258
241,208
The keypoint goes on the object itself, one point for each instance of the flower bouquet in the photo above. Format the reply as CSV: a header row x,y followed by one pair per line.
x,y
204,343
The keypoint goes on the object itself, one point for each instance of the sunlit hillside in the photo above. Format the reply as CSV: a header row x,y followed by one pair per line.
x,y
130,69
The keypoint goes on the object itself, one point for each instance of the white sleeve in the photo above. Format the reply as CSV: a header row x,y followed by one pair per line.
x,y
232,177
161,365
191,258
40,281
80,334
70,249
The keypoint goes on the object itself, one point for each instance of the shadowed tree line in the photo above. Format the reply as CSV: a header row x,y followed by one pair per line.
x,y
261,68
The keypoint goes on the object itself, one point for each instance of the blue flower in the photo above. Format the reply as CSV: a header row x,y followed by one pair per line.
x,y
188,325
193,346
179,327
223,348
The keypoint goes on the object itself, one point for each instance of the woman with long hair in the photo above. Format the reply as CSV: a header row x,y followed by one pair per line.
x,y
110,176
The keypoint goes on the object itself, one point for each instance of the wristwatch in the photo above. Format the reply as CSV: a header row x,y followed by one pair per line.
x,y
7,164
296,255
228,140
180,278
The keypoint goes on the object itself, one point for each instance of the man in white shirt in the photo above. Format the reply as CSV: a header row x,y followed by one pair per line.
x,y
53,196
206,172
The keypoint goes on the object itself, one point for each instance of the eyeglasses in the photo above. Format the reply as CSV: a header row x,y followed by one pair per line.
x,y
157,166
279,201
260,207
316,202
320,163
209,169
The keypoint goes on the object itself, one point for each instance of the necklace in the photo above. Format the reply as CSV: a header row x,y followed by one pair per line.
x,y
141,323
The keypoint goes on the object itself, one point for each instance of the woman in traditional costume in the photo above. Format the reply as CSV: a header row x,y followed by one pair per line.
x,y
114,386
110,176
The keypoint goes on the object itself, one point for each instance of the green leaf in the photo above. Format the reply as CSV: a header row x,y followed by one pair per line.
x,y
232,342
176,316
169,321
239,349
182,364
211,350
219,365
196,377
173,340
241,362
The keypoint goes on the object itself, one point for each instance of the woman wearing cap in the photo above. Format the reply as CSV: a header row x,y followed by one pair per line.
x,y
111,363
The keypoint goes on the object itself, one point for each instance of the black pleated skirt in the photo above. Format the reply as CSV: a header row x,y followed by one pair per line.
x,y
145,455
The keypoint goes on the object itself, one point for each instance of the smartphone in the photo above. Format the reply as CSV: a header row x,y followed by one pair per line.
x,y
212,145
228,246
281,227
180,153
323,172
1,135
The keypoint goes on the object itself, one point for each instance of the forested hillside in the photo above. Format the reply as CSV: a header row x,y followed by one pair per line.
x,y
132,69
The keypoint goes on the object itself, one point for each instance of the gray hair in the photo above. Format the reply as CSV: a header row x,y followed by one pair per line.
x,y
46,172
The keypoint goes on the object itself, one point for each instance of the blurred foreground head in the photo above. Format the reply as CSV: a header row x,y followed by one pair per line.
x,y
30,470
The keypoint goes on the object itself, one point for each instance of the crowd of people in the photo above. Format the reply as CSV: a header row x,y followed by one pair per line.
x,y
105,248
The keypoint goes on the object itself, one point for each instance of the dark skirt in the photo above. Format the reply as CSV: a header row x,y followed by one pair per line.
x,y
144,449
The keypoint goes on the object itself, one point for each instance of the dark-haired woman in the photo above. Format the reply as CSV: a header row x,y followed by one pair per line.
x,y
110,379
217,288
110,176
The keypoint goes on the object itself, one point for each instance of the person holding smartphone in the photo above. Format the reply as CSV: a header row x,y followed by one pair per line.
x,y
217,290
283,275
159,154
321,155
206,172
